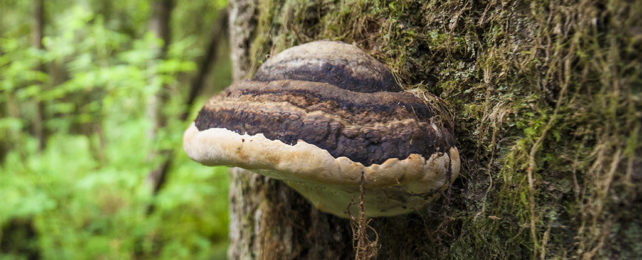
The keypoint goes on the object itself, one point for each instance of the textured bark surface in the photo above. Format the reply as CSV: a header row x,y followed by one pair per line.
x,y
242,24
271,221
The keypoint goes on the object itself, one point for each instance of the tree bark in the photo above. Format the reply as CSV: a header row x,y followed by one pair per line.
x,y
205,66
242,24
158,177
159,25
36,41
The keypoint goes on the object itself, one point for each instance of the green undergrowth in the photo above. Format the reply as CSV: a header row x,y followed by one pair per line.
x,y
547,102
78,142
81,208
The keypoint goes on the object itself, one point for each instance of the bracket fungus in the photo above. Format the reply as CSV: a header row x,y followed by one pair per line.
x,y
319,115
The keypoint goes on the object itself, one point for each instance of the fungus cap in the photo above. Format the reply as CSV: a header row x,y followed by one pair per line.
x,y
317,116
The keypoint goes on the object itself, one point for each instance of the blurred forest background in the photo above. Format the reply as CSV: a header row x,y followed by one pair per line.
x,y
94,98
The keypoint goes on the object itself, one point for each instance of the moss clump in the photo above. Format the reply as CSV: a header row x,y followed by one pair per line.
x,y
547,97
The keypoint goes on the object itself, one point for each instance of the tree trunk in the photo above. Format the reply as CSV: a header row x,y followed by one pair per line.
x,y
159,25
158,177
205,66
548,127
36,40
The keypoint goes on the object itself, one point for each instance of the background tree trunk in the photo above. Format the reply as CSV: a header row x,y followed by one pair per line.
x,y
547,101
158,177
159,25
37,33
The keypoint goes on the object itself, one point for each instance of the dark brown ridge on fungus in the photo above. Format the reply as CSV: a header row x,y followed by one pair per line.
x,y
339,74
336,63
359,108
373,131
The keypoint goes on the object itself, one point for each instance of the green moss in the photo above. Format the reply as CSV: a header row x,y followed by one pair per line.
x,y
548,89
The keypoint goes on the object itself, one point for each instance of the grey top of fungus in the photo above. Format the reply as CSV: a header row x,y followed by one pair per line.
x,y
336,63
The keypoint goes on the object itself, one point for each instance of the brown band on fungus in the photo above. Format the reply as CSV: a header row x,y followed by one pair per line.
x,y
365,127
359,108
335,63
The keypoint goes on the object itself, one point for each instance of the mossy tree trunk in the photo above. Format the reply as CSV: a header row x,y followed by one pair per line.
x,y
547,98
